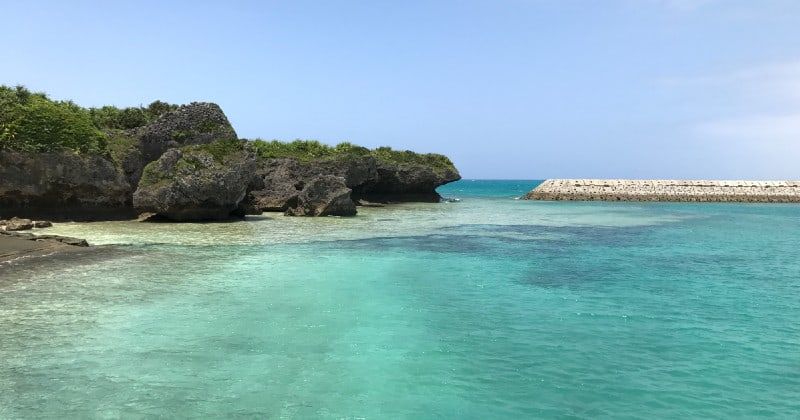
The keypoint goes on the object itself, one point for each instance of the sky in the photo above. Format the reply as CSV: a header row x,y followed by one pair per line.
x,y
515,89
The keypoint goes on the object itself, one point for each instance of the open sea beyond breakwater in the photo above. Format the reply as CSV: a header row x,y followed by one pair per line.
x,y
489,307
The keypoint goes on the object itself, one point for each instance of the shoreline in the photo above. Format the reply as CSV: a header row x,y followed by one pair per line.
x,y
721,191
15,247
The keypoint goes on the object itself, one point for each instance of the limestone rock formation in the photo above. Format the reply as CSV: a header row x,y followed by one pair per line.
x,y
325,195
278,181
407,182
195,183
195,123
61,185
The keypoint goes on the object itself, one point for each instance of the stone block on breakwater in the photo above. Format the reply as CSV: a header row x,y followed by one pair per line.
x,y
667,190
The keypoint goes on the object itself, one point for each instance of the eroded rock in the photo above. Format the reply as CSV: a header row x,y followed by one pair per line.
x,y
17,224
197,183
326,195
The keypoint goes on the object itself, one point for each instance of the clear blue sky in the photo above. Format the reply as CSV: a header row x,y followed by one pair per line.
x,y
508,89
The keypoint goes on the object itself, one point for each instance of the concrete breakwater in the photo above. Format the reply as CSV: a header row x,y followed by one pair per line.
x,y
667,190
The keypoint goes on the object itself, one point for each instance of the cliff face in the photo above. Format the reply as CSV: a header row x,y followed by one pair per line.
x,y
62,185
397,182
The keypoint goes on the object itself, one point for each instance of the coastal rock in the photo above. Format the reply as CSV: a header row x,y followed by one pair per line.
x,y
205,182
399,182
39,224
68,240
15,224
278,181
62,185
195,123
326,195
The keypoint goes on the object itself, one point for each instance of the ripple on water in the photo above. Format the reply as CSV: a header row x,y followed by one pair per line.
x,y
485,308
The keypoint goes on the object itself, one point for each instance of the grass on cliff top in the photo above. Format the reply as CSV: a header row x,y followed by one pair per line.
x,y
308,150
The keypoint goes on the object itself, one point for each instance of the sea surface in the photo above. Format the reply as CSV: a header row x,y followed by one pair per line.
x,y
490,307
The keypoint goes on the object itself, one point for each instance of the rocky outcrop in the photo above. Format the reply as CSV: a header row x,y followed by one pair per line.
x,y
195,123
62,185
15,224
176,168
325,195
667,190
66,185
197,182
278,182
406,182
17,245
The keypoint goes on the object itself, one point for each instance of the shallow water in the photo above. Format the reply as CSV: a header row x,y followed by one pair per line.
x,y
486,308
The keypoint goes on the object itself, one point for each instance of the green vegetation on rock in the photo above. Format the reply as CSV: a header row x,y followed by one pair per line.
x,y
111,117
219,149
193,158
120,145
308,150
32,122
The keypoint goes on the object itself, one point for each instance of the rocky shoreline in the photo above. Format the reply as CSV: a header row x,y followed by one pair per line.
x,y
189,165
667,190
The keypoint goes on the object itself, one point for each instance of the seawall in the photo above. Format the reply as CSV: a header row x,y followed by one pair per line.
x,y
667,190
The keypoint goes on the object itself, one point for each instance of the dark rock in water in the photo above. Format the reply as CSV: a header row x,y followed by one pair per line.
x,y
197,183
365,203
326,195
47,238
61,185
15,224
39,224
407,182
71,241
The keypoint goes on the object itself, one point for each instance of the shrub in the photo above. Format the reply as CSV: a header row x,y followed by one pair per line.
x,y
113,118
32,122
311,150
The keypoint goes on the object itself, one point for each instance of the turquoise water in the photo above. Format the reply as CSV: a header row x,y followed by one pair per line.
x,y
486,308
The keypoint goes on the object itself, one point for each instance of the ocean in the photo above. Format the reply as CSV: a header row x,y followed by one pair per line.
x,y
489,307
